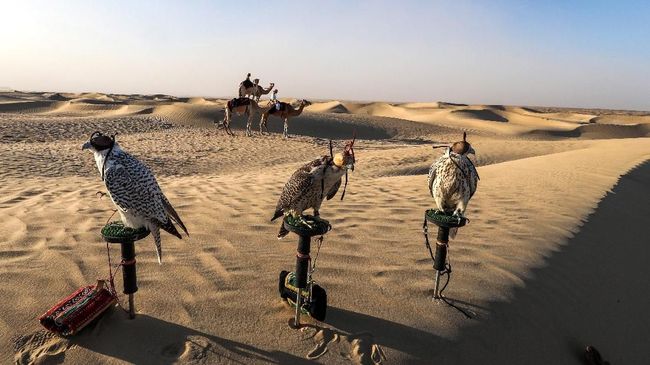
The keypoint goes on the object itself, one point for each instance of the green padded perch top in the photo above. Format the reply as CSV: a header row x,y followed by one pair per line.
x,y
318,226
116,232
442,219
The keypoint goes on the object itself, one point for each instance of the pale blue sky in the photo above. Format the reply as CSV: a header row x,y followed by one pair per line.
x,y
559,53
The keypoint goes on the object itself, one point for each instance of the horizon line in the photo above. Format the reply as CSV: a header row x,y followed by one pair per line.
x,y
5,89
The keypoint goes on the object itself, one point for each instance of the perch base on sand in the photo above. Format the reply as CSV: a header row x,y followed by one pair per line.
x,y
314,300
297,287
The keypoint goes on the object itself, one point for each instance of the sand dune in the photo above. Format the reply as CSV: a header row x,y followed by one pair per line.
x,y
481,114
474,118
430,105
621,119
57,97
601,131
535,267
197,101
188,114
32,106
198,111
328,107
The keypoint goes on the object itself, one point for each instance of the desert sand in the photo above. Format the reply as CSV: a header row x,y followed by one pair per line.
x,y
555,256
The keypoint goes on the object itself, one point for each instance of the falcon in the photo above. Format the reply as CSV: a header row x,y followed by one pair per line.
x,y
312,183
133,189
453,178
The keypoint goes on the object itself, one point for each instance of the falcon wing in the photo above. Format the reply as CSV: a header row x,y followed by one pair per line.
x,y
132,195
473,178
171,213
432,175
334,190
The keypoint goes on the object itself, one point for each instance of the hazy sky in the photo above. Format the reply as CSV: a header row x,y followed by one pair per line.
x,y
560,53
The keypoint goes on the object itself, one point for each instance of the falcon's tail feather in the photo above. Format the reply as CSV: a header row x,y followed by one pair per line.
x,y
283,231
453,232
169,228
155,232
278,213
171,212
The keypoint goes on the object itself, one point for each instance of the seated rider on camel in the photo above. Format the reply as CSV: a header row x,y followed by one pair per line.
x,y
274,99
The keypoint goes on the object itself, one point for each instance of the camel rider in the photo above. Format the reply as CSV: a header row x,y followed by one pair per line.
x,y
274,99
247,83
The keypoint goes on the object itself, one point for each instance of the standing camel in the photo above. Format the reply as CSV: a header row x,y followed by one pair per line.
x,y
285,112
258,91
241,106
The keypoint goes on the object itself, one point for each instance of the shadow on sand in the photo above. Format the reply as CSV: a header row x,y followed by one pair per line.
x,y
418,344
592,291
133,340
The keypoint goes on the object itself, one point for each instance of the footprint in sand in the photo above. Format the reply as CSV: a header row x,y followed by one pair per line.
x,y
33,348
322,338
193,349
172,351
364,350
358,348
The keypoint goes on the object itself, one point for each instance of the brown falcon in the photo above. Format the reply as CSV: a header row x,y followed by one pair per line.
x,y
312,183
453,178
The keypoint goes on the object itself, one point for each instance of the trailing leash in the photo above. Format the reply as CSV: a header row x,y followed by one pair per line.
x,y
446,271
313,262
112,271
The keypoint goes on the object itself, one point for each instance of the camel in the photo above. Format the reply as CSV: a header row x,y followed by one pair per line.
x,y
253,89
246,87
241,106
286,111
258,91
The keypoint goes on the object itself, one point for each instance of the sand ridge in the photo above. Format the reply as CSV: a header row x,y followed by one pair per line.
x,y
214,300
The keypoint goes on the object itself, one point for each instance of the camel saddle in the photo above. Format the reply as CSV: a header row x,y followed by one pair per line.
x,y
236,102
283,107
247,83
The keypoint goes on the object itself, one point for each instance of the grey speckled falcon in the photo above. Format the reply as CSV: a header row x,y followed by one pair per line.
x,y
314,182
133,189
453,178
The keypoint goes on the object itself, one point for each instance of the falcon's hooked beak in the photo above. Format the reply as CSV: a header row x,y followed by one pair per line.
x,y
471,151
86,146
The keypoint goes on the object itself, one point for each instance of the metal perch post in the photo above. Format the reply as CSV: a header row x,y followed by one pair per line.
x,y
302,266
444,221
116,232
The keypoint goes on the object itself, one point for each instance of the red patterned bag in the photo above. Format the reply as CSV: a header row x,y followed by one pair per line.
x,y
79,309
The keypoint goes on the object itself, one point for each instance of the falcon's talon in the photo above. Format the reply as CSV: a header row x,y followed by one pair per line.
x,y
302,220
